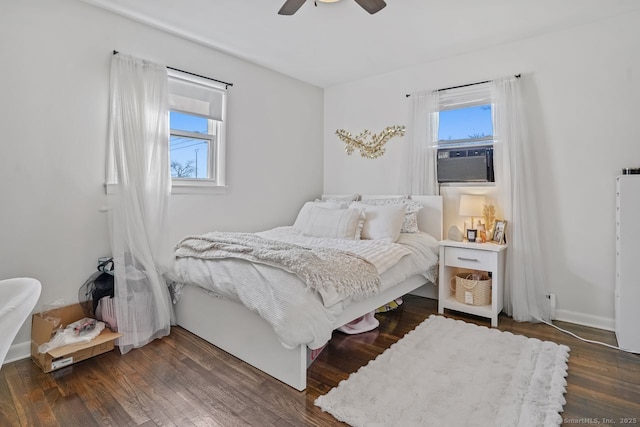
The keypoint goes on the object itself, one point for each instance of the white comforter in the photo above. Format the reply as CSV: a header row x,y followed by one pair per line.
x,y
297,315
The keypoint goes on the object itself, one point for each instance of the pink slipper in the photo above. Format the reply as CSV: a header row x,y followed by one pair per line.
x,y
362,324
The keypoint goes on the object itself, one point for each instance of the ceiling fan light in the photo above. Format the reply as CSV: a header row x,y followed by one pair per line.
x,y
328,1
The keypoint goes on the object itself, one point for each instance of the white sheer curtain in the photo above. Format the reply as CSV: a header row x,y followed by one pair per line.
x,y
420,160
525,294
138,161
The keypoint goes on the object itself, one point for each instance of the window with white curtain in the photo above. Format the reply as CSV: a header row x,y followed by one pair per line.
x,y
465,116
465,135
197,128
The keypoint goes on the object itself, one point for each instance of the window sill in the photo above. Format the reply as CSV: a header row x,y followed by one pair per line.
x,y
197,187
467,184
183,187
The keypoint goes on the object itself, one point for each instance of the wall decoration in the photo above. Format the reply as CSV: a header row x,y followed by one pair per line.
x,y
371,146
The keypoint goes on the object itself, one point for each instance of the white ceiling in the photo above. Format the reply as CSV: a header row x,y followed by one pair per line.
x,y
339,42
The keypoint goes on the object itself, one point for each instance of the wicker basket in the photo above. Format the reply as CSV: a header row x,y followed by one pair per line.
x,y
472,292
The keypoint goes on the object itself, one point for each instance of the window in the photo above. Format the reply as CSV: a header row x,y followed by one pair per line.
x,y
467,125
196,144
465,116
465,135
192,146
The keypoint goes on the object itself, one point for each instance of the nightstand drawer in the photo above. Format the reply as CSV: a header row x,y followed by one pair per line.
x,y
469,258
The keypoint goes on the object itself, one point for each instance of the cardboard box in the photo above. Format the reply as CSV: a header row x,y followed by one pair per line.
x,y
43,328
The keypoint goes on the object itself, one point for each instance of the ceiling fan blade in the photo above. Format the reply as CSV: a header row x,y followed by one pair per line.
x,y
290,7
372,6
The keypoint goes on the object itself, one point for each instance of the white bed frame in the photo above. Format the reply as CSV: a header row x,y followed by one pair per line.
x,y
235,329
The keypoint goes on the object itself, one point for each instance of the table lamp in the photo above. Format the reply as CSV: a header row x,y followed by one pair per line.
x,y
471,205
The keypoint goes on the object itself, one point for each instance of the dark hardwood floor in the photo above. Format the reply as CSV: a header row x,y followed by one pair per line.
x,y
183,381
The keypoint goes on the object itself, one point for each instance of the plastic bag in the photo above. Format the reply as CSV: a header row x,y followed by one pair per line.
x,y
76,332
49,312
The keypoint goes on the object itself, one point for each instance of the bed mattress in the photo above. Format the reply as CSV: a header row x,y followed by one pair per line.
x,y
297,313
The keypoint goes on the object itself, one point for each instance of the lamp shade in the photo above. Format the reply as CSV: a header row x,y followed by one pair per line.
x,y
471,205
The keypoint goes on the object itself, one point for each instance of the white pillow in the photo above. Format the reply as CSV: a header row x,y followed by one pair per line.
x,y
381,222
303,215
410,224
333,223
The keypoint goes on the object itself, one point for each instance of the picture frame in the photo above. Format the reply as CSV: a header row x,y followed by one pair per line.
x,y
472,234
499,231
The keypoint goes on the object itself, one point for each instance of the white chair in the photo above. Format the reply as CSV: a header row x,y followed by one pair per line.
x,y
18,297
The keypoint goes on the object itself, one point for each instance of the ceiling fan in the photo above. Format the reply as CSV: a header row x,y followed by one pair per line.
x,y
291,6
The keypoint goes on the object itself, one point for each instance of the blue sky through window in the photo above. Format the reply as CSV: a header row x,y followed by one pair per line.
x,y
188,122
184,149
465,123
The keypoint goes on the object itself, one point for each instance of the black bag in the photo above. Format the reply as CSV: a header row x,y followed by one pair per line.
x,y
99,285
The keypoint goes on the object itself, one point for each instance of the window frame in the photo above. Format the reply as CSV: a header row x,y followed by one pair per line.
x,y
464,97
216,167
210,136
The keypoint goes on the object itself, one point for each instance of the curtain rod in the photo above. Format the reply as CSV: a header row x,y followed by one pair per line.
x,y
517,76
193,74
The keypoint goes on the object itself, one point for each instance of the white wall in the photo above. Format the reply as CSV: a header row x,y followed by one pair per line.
x,y
583,89
54,83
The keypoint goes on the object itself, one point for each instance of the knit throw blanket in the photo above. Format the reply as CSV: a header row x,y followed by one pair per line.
x,y
331,272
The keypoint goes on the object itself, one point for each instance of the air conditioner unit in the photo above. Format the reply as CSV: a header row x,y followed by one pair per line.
x,y
464,164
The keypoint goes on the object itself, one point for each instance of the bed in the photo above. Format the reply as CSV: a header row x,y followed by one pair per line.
x,y
238,330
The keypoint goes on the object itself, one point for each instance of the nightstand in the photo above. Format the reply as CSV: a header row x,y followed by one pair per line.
x,y
464,256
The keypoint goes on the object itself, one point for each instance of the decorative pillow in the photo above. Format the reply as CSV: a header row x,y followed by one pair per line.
x,y
410,223
333,223
382,222
349,198
334,203
343,201
303,215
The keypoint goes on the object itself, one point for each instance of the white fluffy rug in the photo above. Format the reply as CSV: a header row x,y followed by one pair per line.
x,y
450,373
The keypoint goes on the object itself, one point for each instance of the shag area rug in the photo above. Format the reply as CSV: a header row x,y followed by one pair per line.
x,y
450,373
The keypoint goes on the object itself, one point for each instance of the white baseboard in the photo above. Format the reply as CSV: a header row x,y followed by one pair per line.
x,y
598,322
18,352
